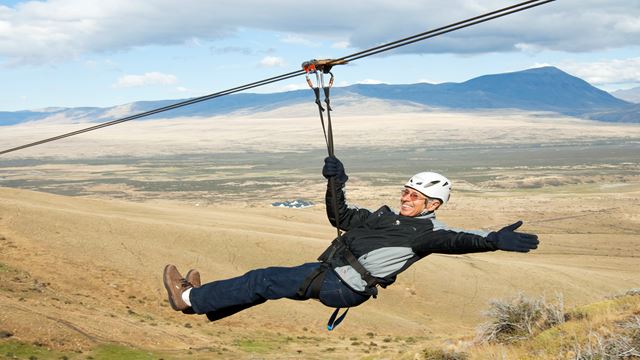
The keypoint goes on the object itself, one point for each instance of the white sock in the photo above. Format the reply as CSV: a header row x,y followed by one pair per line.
x,y
185,296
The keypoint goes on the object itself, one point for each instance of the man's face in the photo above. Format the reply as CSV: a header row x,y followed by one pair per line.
x,y
412,203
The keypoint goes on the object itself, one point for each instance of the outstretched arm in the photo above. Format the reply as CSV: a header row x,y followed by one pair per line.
x,y
453,242
508,239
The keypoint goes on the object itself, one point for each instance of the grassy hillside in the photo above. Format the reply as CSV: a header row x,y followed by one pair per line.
x,y
81,277
608,329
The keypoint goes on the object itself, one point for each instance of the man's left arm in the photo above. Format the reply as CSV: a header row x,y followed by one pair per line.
x,y
447,241
438,225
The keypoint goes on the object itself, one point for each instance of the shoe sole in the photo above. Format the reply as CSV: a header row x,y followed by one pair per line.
x,y
166,280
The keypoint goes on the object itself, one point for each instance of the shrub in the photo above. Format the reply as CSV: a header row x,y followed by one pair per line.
x,y
633,292
439,354
632,327
623,342
520,318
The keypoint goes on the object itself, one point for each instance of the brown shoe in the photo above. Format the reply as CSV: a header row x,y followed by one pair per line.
x,y
193,277
175,285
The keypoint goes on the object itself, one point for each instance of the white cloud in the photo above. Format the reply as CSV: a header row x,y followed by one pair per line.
x,y
341,45
39,32
623,71
146,79
298,40
370,82
272,61
292,87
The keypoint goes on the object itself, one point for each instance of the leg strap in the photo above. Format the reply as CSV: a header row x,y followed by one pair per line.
x,y
313,282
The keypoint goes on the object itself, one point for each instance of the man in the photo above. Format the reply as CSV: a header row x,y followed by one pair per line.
x,y
375,248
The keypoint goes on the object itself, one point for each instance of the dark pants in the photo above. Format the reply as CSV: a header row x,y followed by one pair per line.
x,y
222,298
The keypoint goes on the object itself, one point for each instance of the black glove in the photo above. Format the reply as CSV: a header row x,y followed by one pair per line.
x,y
509,240
333,168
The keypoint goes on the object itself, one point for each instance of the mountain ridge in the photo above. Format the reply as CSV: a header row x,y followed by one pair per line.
x,y
631,95
537,89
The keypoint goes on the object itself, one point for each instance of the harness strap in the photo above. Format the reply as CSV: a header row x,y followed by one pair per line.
x,y
333,322
327,255
314,282
339,247
364,273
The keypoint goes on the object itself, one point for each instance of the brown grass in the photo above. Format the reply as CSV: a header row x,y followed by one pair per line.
x,y
80,272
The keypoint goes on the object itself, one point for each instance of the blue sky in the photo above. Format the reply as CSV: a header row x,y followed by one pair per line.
x,y
73,53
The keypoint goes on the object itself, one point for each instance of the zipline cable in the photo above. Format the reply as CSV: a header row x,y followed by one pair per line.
x,y
445,29
359,55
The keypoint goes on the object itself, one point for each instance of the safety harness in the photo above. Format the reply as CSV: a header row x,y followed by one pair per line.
x,y
313,282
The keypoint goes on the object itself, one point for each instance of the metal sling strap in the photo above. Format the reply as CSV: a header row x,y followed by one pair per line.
x,y
319,68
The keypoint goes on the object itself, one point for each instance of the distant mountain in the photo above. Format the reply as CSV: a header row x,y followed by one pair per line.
x,y
539,89
631,95
546,88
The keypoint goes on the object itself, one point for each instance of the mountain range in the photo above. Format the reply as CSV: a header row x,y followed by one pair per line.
x,y
538,89
632,95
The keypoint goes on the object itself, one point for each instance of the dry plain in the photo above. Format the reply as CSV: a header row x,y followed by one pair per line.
x,y
87,224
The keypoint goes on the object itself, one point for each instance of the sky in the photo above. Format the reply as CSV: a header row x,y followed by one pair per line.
x,y
72,53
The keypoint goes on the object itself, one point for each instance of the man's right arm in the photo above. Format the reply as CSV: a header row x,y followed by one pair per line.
x,y
346,217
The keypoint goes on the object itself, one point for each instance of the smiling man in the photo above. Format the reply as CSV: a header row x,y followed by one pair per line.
x,y
414,202
375,248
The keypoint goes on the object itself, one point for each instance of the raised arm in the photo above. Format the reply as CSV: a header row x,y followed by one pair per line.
x,y
348,217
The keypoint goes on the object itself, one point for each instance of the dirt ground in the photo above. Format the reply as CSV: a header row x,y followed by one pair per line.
x,y
78,271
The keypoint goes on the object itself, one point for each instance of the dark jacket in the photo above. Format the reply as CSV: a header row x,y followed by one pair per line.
x,y
387,243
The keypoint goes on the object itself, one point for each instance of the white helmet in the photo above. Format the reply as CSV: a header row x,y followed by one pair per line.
x,y
432,185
